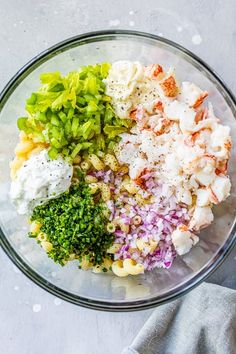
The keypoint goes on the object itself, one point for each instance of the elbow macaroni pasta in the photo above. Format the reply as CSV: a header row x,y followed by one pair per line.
x,y
106,193
123,169
114,248
151,246
120,223
72,256
24,149
77,160
139,199
118,269
132,267
112,162
15,165
127,267
130,186
96,162
107,264
47,246
90,179
85,264
41,236
35,227
93,187
85,165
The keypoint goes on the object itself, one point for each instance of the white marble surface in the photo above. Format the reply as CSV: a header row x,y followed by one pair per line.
x,y
33,321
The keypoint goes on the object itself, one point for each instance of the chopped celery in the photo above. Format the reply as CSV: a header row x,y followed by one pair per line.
x,y
32,99
22,123
76,150
55,143
38,137
74,126
73,113
53,153
62,116
41,117
68,128
70,113
55,120
112,131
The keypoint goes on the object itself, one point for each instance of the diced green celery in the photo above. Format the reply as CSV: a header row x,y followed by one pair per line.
x,y
55,120
111,145
63,141
98,97
70,113
105,67
113,131
38,137
92,107
22,123
81,100
48,114
108,116
41,117
32,99
86,129
55,132
56,87
68,128
62,116
128,123
55,143
76,150
91,85
74,126
65,151
86,145
53,153
90,135
106,98
48,78
97,128
89,98
73,112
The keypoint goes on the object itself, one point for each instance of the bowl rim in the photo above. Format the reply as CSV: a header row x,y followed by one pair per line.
x,y
117,306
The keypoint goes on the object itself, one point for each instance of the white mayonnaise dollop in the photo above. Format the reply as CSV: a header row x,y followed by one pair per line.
x,y
128,86
39,180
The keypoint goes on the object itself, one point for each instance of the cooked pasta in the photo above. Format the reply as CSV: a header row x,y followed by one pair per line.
x,y
106,193
47,246
35,227
90,179
93,187
96,162
77,160
132,268
112,162
118,269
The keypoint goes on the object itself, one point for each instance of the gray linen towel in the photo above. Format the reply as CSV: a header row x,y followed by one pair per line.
x,y
201,322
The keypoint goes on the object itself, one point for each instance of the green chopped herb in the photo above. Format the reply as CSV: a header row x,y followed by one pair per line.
x,y
75,224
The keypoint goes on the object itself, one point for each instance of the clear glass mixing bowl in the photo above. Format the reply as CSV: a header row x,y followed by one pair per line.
x,y
105,291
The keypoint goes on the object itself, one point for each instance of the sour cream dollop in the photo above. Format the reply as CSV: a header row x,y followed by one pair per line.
x,y
39,180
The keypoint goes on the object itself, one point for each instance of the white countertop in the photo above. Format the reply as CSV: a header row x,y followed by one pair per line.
x,y
32,320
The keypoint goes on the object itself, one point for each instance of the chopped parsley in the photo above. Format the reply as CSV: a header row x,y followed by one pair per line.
x,y
75,224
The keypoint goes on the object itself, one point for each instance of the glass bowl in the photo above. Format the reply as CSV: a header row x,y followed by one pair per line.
x,y
105,291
